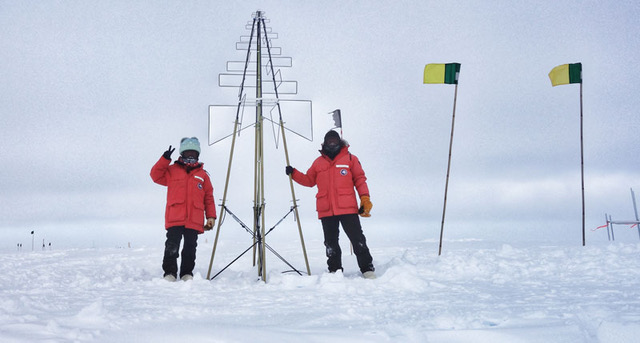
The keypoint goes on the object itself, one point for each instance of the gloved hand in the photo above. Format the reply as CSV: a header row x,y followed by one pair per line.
x,y
209,225
365,206
167,154
288,170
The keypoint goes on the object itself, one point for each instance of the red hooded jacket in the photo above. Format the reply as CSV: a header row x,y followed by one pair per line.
x,y
336,180
189,194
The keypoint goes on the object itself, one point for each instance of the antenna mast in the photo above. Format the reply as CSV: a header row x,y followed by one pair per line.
x,y
259,42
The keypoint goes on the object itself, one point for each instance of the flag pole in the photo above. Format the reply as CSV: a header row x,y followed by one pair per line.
x,y
582,168
446,186
567,74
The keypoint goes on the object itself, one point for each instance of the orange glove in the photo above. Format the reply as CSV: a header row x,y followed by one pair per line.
x,y
365,206
209,225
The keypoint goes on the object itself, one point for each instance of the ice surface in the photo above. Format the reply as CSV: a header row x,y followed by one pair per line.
x,y
477,291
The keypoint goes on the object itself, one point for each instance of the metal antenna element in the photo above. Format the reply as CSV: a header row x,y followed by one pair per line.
x,y
611,222
259,71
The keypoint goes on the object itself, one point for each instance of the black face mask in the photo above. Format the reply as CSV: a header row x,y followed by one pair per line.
x,y
332,147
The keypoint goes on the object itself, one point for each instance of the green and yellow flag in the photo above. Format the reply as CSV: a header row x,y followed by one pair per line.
x,y
566,74
442,73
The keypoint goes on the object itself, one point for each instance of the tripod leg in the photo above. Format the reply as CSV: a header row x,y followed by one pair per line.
x,y
293,195
226,188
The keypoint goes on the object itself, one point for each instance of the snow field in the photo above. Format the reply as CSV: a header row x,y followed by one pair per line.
x,y
476,291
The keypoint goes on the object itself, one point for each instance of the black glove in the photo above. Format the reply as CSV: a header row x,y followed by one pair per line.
x,y
167,154
288,170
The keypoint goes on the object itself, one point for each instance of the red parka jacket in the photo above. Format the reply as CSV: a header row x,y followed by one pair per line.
x,y
336,180
189,194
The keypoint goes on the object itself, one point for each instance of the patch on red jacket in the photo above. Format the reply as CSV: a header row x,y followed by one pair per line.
x,y
199,186
344,172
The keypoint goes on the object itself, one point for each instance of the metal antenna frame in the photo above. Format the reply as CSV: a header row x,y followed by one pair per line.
x,y
611,222
258,28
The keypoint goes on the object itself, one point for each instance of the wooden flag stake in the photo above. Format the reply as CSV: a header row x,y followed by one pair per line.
x,y
446,186
582,167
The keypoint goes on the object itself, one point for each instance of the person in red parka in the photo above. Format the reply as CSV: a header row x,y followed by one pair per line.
x,y
189,202
337,173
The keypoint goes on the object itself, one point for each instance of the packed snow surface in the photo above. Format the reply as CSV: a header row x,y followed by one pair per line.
x,y
476,291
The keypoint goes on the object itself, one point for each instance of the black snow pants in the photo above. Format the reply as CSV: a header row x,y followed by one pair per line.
x,y
171,247
353,229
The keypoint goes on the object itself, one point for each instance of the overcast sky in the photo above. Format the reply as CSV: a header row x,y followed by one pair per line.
x,y
93,92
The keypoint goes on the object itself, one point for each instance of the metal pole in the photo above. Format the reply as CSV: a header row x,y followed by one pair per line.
x,y
224,197
582,169
635,209
259,156
286,156
446,186
606,220
293,197
613,236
